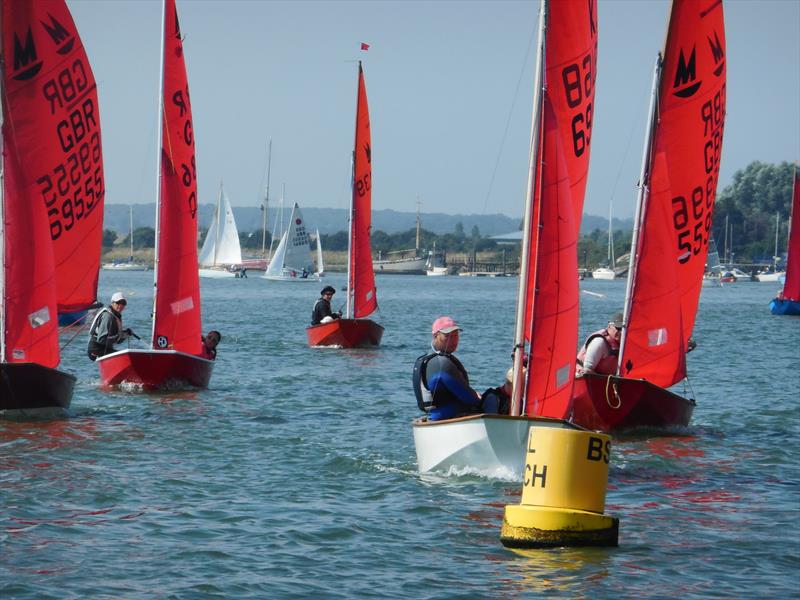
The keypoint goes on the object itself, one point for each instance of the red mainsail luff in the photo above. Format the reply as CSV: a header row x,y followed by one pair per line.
x,y
791,287
177,321
553,332
33,120
362,276
552,305
682,175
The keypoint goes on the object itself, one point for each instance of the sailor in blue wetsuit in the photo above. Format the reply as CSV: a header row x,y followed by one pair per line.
x,y
441,383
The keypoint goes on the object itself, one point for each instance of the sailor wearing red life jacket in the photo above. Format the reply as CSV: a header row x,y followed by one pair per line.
x,y
600,351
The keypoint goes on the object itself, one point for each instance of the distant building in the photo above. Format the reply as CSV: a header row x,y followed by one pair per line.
x,y
515,237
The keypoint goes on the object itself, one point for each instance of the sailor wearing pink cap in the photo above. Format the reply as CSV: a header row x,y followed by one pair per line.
x,y
441,383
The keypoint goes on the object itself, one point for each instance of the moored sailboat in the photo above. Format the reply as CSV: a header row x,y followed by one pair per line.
x,y
355,330
175,357
221,255
403,262
608,272
788,300
545,333
50,226
774,275
672,230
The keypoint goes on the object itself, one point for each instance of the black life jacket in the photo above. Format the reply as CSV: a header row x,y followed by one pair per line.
x,y
419,378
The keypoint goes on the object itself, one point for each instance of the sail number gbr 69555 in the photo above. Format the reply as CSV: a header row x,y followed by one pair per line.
x,y
74,186
692,216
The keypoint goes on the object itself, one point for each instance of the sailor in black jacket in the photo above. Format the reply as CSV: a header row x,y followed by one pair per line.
x,y
322,312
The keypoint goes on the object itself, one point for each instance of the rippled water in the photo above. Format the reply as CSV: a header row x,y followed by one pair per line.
x,y
295,474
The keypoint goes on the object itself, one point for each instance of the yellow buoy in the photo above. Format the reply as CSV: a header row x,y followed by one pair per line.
x,y
563,492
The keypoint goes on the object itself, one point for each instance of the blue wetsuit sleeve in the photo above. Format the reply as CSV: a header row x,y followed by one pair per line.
x,y
454,382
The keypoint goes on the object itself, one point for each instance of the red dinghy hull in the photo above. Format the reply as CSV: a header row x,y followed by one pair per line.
x,y
611,404
155,369
346,333
27,386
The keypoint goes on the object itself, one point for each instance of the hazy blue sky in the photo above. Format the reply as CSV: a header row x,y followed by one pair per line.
x,y
441,79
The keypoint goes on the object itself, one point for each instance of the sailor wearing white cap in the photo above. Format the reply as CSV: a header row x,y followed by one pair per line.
x,y
106,329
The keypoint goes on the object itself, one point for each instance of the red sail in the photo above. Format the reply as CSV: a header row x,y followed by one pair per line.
x,y
552,305
362,277
39,96
571,71
177,323
70,167
681,175
791,287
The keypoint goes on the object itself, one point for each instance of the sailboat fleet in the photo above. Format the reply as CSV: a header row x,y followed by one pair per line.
x,y
671,238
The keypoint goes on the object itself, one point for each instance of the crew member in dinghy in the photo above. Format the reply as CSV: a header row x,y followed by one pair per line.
x,y
441,383
106,329
498,400
600,351
210,342
322,312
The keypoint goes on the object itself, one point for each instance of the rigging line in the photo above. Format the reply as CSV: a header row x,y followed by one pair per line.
x,y
508,120
624,156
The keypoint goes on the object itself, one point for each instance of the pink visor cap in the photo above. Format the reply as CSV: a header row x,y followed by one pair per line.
x,y
445,325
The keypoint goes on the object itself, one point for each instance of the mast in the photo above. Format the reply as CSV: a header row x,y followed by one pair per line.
x,y
2,207
265,216
160,133
218,228
725,253
775,256
419,226
611,261
641,203
131,236
533,160
350,225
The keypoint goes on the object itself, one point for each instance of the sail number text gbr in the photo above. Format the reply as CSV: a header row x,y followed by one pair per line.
x,y
692,217
72,188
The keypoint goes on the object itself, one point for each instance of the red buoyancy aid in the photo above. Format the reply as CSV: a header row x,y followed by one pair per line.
x,y
608,365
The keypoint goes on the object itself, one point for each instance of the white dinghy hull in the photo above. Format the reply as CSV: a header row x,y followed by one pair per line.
x,y
487,443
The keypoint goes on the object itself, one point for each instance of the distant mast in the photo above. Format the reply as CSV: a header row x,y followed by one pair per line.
x,y
265,207
419,226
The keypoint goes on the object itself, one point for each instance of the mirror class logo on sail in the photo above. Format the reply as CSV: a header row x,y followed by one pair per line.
x,y
73,186
692,215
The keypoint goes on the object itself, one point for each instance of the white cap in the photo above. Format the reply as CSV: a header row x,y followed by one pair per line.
x,y
117,297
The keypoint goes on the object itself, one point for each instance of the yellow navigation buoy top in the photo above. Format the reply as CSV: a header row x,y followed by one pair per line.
x,y
563,492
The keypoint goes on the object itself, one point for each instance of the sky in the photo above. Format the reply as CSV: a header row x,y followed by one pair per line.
x,y
449,85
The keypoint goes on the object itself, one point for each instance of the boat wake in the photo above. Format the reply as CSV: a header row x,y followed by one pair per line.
x,y
498,474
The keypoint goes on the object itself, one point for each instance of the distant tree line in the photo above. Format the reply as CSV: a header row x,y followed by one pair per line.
x,y
750,203
758,192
